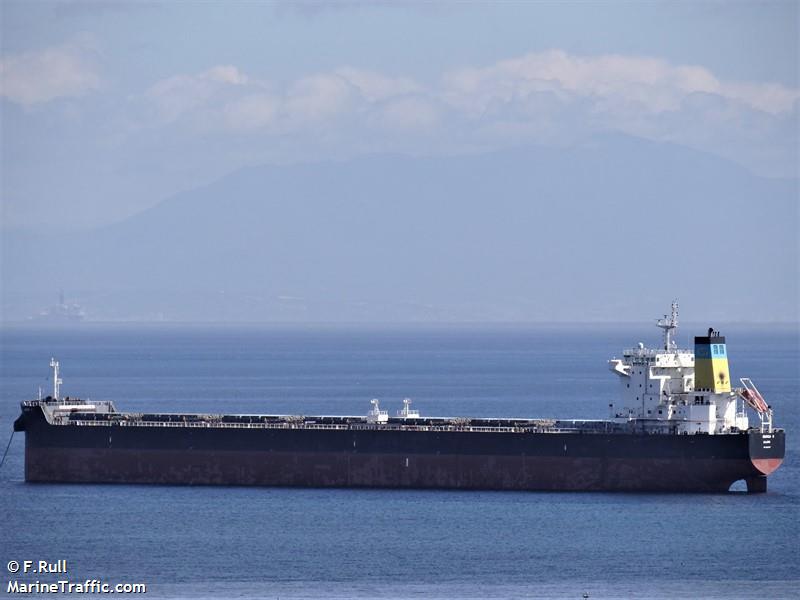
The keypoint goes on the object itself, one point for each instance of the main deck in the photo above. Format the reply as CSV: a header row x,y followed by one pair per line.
x,y
73,412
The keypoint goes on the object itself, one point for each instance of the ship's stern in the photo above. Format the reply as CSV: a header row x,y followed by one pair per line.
x,y
766,450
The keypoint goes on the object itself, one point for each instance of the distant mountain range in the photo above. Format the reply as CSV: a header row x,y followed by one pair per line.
x,y
611,229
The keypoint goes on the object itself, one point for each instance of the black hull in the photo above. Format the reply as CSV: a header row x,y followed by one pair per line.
x,y
386,458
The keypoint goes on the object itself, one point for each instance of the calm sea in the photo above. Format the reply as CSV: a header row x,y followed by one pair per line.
x,y
198,542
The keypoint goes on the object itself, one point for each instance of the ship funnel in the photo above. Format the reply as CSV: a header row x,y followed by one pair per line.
x,y
711,373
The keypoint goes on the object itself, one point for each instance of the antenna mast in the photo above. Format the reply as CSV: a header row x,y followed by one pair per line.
x,y
668,324
56,381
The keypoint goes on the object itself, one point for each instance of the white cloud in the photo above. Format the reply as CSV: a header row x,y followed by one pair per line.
x,y
37,77
225,98
254,111
407,113
226,74
177,96
653,83
621,86
547,97
319,97
375,86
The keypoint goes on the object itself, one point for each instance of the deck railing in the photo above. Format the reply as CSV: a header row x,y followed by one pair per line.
x,y
289,425
607,427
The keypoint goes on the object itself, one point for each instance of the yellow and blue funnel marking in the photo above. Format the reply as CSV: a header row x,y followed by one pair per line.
x,y
711,373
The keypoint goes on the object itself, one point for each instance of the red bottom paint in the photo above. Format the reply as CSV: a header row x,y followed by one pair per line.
x,y
766,465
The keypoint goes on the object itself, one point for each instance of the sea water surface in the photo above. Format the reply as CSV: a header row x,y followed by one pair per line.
x,y
198,542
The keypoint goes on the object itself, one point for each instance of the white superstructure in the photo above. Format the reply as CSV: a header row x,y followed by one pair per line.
x,y
664,388
375,414
407,412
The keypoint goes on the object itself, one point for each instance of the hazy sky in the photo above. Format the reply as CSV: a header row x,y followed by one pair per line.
x,y
108,108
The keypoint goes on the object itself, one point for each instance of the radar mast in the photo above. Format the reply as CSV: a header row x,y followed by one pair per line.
x,y
668,324
56,380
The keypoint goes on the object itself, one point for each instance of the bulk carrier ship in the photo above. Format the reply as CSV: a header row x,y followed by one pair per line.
x,y
679,427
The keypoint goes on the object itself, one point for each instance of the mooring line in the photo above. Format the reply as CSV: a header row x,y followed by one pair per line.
x,y
7,447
